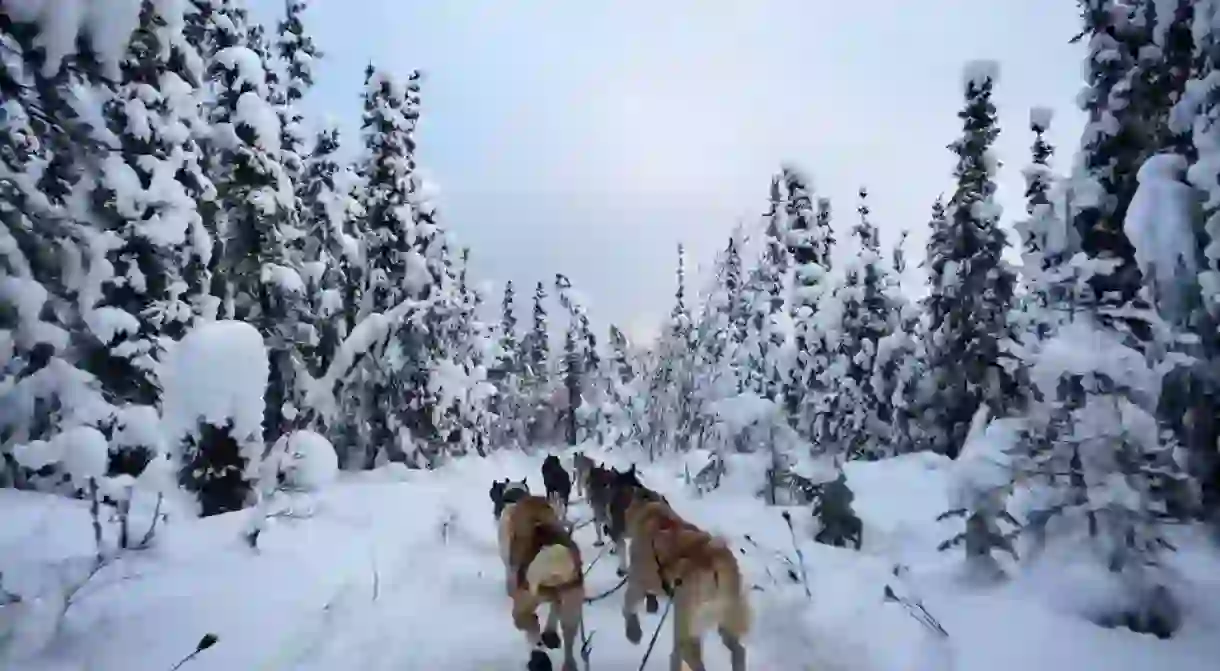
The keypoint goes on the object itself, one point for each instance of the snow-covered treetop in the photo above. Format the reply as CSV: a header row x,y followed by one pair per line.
x,y
1040,118
977,73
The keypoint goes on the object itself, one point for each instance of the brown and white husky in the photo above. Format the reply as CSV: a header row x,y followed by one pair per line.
x,y
542,565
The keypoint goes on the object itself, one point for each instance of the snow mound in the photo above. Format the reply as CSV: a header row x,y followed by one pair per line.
x,y
217,373
311,462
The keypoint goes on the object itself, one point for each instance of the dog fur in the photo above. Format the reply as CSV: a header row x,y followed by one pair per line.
x,y
623,486
542,565
558,485
582,466
697,570
503,493
599,490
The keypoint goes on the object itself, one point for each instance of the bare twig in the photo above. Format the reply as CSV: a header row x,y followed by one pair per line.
x,y
376,577
800,556
206,642
146,541
95,513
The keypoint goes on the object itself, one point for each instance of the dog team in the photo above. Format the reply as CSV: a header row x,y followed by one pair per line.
x,y
667,556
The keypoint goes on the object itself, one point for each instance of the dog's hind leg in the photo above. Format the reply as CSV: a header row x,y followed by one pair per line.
x,y
550,632
525,616
571,611
687,646
737,651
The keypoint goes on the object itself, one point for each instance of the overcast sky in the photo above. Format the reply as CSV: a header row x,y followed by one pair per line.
x,y
590,137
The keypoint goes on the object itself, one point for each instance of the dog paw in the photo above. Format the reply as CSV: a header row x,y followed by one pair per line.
x,y
650,604
550,639
598,544
634,633
539,661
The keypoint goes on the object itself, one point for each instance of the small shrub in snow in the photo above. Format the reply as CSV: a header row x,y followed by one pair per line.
x,y
832,508
215,470
215,381
983,481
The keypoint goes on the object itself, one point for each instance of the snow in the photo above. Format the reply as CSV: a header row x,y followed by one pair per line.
x,y
1040,118
396,569
1160,224
84,453
217,372
311,462
106,25
255,112
977,73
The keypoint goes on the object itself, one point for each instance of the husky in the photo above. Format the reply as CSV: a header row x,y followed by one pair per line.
x,y
599,491
623,485
503,493
698,572
582,466
541,565
558,485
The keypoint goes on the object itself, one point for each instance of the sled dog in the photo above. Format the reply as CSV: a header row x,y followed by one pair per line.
x,y
558,485
698,572
541,565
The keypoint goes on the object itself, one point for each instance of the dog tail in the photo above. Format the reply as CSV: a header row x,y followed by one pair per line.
x,y
554,565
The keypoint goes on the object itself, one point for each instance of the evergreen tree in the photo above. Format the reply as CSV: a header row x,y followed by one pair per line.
x,y
48,158
144,198
394,403
508,372
973,287
810,239
259,219
863,417
1111,152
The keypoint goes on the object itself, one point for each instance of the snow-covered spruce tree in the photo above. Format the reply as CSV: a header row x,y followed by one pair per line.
x,y
899,363
580,362
1194,117
809,240
393,394
719,337
259,220
864,417
1111,151
1046,240
507,373
973,287
458,382
682,341
297,53
766,301
625,405
536,359
151,234
329,253
46,155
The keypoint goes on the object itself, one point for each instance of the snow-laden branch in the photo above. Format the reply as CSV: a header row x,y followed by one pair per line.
x,y
366,336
